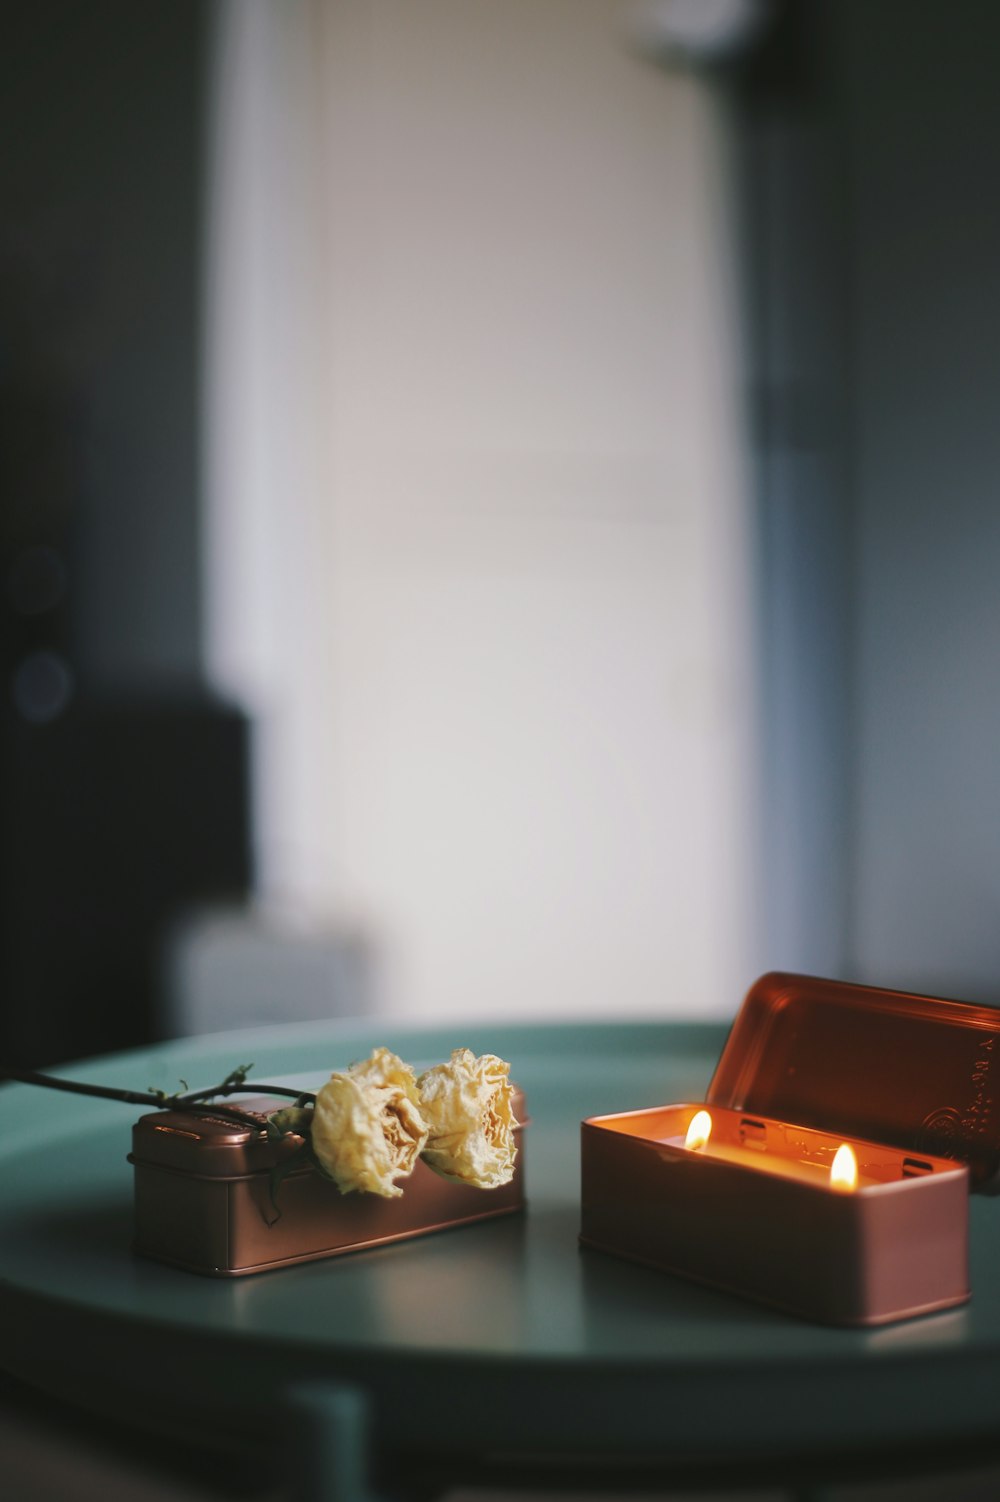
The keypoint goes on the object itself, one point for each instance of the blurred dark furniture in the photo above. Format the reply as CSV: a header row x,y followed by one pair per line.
x,y
124,785
112,820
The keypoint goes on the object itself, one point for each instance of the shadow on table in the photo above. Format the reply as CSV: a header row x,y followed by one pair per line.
x,y
629,1303
101,1228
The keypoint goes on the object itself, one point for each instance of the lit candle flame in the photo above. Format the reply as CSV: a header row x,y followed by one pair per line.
x,y
699,1131
844,1169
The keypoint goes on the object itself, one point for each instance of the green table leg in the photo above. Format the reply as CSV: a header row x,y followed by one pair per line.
x,y
327,1451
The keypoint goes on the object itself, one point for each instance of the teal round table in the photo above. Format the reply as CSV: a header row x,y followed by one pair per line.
x,y
495,1349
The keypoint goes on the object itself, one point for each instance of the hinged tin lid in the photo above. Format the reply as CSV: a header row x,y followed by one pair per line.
x,y
209,1145
915,1072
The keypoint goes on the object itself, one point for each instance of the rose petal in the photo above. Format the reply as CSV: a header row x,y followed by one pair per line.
x,y
367,1129
467,1104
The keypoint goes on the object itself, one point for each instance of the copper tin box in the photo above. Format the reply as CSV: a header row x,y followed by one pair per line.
x,y
906,1081
203,1201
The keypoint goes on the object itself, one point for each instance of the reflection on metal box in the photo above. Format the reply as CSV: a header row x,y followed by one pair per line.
x,y
203,1201
906,1081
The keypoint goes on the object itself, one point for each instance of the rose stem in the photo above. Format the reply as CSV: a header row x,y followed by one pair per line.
x,y
139,1098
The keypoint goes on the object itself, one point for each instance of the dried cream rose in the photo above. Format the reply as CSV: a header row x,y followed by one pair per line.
x,y
367,1127
467,1106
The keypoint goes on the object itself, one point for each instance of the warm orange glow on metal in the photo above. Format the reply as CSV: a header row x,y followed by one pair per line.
x,y
814,1074
753,1212
886,1066
699,1131
844,1169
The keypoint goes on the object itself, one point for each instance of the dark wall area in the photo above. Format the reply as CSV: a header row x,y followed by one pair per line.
x,y
922,113
123,791
100,188
792,185
868,141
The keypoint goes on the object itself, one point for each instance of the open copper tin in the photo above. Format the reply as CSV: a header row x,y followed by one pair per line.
x,y
906,1082
203,1198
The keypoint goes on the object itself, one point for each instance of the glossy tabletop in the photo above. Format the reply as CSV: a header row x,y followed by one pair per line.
x,y
501,1337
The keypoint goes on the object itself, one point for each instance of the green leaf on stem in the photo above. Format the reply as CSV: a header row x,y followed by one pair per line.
x,y
290,1121
236,1077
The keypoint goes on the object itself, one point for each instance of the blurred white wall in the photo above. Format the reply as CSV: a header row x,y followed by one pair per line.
x,y
479,556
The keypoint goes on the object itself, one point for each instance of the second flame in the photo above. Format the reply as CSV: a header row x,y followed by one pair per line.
x,y
699,1131
844,1169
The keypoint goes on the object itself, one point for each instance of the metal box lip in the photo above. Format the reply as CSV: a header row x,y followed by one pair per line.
x,y
618,1121
911,1071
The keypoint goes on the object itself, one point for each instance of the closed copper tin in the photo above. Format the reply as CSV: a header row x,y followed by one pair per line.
x,y
906,1080
203,1202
